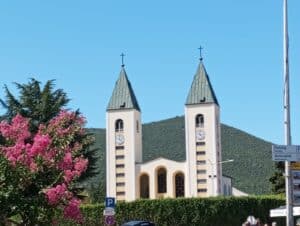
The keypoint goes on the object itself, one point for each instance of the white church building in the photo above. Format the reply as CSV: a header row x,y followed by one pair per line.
x,y
129,178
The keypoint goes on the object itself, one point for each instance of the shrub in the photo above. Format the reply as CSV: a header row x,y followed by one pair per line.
x,y
218,211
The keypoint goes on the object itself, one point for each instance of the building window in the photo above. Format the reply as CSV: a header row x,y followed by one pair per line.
x,y
201,162
179,185
144,186
120,175
162,180
202,171
201,181
120,166
119,125
120,184
200,152
200,120
121,193
202,190
200,143
120,156
119,147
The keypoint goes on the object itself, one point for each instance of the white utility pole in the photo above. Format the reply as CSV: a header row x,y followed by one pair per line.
x,y
287,126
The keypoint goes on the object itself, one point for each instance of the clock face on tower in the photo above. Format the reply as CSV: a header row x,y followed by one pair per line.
x,y
120,139
200,135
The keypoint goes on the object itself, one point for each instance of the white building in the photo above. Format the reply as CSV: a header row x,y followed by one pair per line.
x,y
129,178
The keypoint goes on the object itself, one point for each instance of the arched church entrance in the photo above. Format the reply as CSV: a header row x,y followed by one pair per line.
x,y
144,186
179,185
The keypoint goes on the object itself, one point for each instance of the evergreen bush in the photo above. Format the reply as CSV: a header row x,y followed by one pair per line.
x,y
219,211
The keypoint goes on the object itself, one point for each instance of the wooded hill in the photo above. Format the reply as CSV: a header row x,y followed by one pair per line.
x,y
251,169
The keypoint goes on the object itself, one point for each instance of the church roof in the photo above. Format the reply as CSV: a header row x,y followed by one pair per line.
x,y
201,90
123,96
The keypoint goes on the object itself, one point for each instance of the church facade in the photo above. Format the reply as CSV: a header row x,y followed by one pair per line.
x,y
129,178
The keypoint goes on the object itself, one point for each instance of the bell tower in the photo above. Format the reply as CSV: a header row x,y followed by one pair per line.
x,y
203,138
123,140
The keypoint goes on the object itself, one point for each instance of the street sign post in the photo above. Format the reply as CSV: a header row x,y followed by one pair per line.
x,y
109,211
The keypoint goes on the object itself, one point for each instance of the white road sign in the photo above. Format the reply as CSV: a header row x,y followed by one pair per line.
x,y
108,211
289,153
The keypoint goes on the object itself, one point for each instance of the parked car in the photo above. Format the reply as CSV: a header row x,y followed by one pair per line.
x,y
138,223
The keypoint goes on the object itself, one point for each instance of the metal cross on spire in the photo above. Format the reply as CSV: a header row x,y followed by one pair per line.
x,y
200,48
122,55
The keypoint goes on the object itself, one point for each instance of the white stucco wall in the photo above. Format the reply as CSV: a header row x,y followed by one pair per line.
x,y
132,151
227,185
212,145
150,168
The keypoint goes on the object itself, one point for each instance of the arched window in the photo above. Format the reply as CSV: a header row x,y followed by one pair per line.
x,y
200,120
119,125
179,185
162,180
144,186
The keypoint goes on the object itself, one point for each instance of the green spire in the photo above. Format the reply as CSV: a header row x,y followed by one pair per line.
x,y
201,91
123,96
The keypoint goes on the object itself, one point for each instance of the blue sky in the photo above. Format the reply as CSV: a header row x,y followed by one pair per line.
x,y
79,43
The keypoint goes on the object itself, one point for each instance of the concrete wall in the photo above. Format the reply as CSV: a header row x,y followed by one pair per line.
x,y
132,153
212,148
150,168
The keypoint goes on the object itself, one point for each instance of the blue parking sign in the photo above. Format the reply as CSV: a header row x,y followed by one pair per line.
x,y
110,202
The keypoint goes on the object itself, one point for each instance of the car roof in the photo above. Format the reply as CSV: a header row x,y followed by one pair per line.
x,y
135,222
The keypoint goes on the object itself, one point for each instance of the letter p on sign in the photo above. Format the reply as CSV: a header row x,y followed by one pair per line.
x,y
110,202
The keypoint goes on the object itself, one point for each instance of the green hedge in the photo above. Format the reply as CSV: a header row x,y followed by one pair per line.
x,y
219,211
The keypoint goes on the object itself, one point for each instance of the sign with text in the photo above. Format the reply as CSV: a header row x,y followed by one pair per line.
x,y
110,202
296,187
295,165
108,211
289,153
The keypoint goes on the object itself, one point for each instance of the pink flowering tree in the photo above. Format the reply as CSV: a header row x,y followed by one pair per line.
x,y
39,171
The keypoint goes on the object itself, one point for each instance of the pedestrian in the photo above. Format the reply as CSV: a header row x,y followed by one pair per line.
x,y
252,220
298,222
246,224
258,222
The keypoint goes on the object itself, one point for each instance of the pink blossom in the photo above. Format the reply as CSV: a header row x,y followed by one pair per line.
x,y
16,153
56,193
80,165
33,167
72,210
12,160
40,144
67,162
54,147
68,175
49,156
17,130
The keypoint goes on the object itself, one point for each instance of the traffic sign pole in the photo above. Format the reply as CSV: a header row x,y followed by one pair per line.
x,y
287,122
109,211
